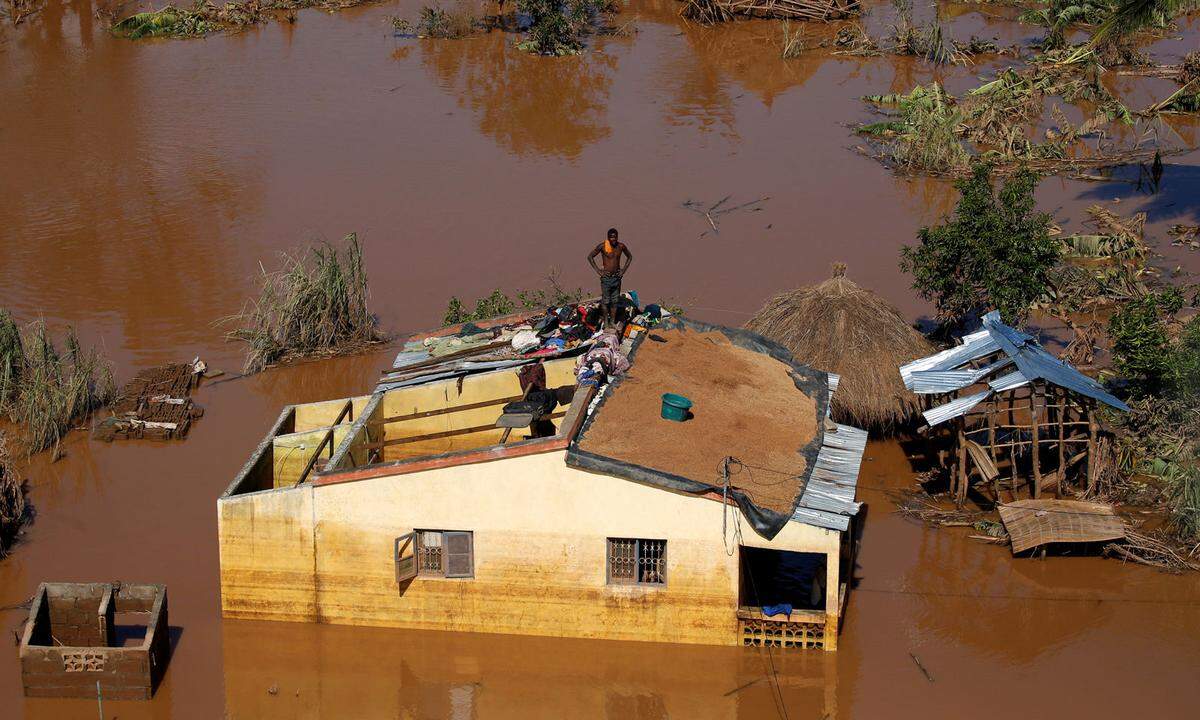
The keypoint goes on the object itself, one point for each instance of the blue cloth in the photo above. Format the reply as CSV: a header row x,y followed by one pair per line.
x,y
780,609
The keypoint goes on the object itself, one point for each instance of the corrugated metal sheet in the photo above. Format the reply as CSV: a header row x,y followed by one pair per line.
x,y
973,346
828,497
1010,381
940,373
1037,364
928,382
954,408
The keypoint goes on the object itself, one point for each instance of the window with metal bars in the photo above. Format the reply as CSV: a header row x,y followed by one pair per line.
x,y
435,553
637,561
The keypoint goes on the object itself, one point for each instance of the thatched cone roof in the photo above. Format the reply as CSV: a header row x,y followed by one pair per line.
x,y
838,327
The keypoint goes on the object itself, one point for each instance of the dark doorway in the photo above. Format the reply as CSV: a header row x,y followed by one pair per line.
x,y
779,577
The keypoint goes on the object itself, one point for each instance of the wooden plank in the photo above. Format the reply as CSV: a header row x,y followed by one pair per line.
x,y
347,409
1035,417
443,434
446,411
1093,428
1062,434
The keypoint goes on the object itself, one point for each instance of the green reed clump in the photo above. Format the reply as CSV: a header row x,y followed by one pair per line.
x,y
435,22
46,391
15,509
498,303
316,305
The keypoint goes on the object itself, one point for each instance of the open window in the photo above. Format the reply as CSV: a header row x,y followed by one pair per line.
x,y
435,553
406,557
637,561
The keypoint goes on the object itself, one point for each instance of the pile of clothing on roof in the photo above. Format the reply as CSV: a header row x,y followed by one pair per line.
x,y
602,361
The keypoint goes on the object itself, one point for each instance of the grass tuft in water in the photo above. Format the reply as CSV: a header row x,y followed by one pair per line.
x,y
315,306
45,390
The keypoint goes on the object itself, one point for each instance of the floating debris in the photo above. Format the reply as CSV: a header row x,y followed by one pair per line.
x,y
155,404
931,132
1155,550
1185,235
712,213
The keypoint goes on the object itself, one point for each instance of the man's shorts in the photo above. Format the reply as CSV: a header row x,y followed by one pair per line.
x,y
610,290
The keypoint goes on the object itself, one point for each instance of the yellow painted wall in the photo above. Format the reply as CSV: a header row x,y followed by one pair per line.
x,y
266,548
313,416
448,394
293,451
540,547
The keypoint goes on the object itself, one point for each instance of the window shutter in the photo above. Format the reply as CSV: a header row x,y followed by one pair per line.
x,y
406,557
460,561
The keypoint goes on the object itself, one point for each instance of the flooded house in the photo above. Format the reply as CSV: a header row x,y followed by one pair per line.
x,y
440,500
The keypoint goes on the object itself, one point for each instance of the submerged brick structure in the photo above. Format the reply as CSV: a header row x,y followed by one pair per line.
x,y
71,641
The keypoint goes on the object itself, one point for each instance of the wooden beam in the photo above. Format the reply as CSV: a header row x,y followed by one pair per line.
x,y
447,411
961,467
1062,435
1093,431
1035,417
443,434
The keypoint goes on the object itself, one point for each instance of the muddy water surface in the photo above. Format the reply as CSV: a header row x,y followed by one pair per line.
x,y
142,184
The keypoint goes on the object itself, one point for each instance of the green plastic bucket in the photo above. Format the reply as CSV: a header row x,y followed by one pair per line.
x,y
675,407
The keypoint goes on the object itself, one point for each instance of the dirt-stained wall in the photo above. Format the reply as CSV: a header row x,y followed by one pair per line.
x,y
266,547
540,531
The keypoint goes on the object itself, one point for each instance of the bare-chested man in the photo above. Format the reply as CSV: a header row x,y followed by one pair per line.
x,y
610,271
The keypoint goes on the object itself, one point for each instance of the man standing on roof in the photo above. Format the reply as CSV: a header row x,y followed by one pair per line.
x,y
610,271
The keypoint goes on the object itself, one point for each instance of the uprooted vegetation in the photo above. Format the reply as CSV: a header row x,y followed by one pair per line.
x,y
15,510
17,11
1101,269
499,303
316,306
206,17
44,390
718,11
929,131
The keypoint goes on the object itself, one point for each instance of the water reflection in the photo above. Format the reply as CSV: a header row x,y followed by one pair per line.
x,y
110,197
528,104
331,671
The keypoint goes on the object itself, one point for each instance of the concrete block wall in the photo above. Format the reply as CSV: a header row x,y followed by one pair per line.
x,y
93,666
80,614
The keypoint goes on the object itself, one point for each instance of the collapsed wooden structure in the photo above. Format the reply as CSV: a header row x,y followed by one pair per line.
x,y
155,404
1011,413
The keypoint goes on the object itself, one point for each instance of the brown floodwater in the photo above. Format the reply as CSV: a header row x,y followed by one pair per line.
x,y
142,184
